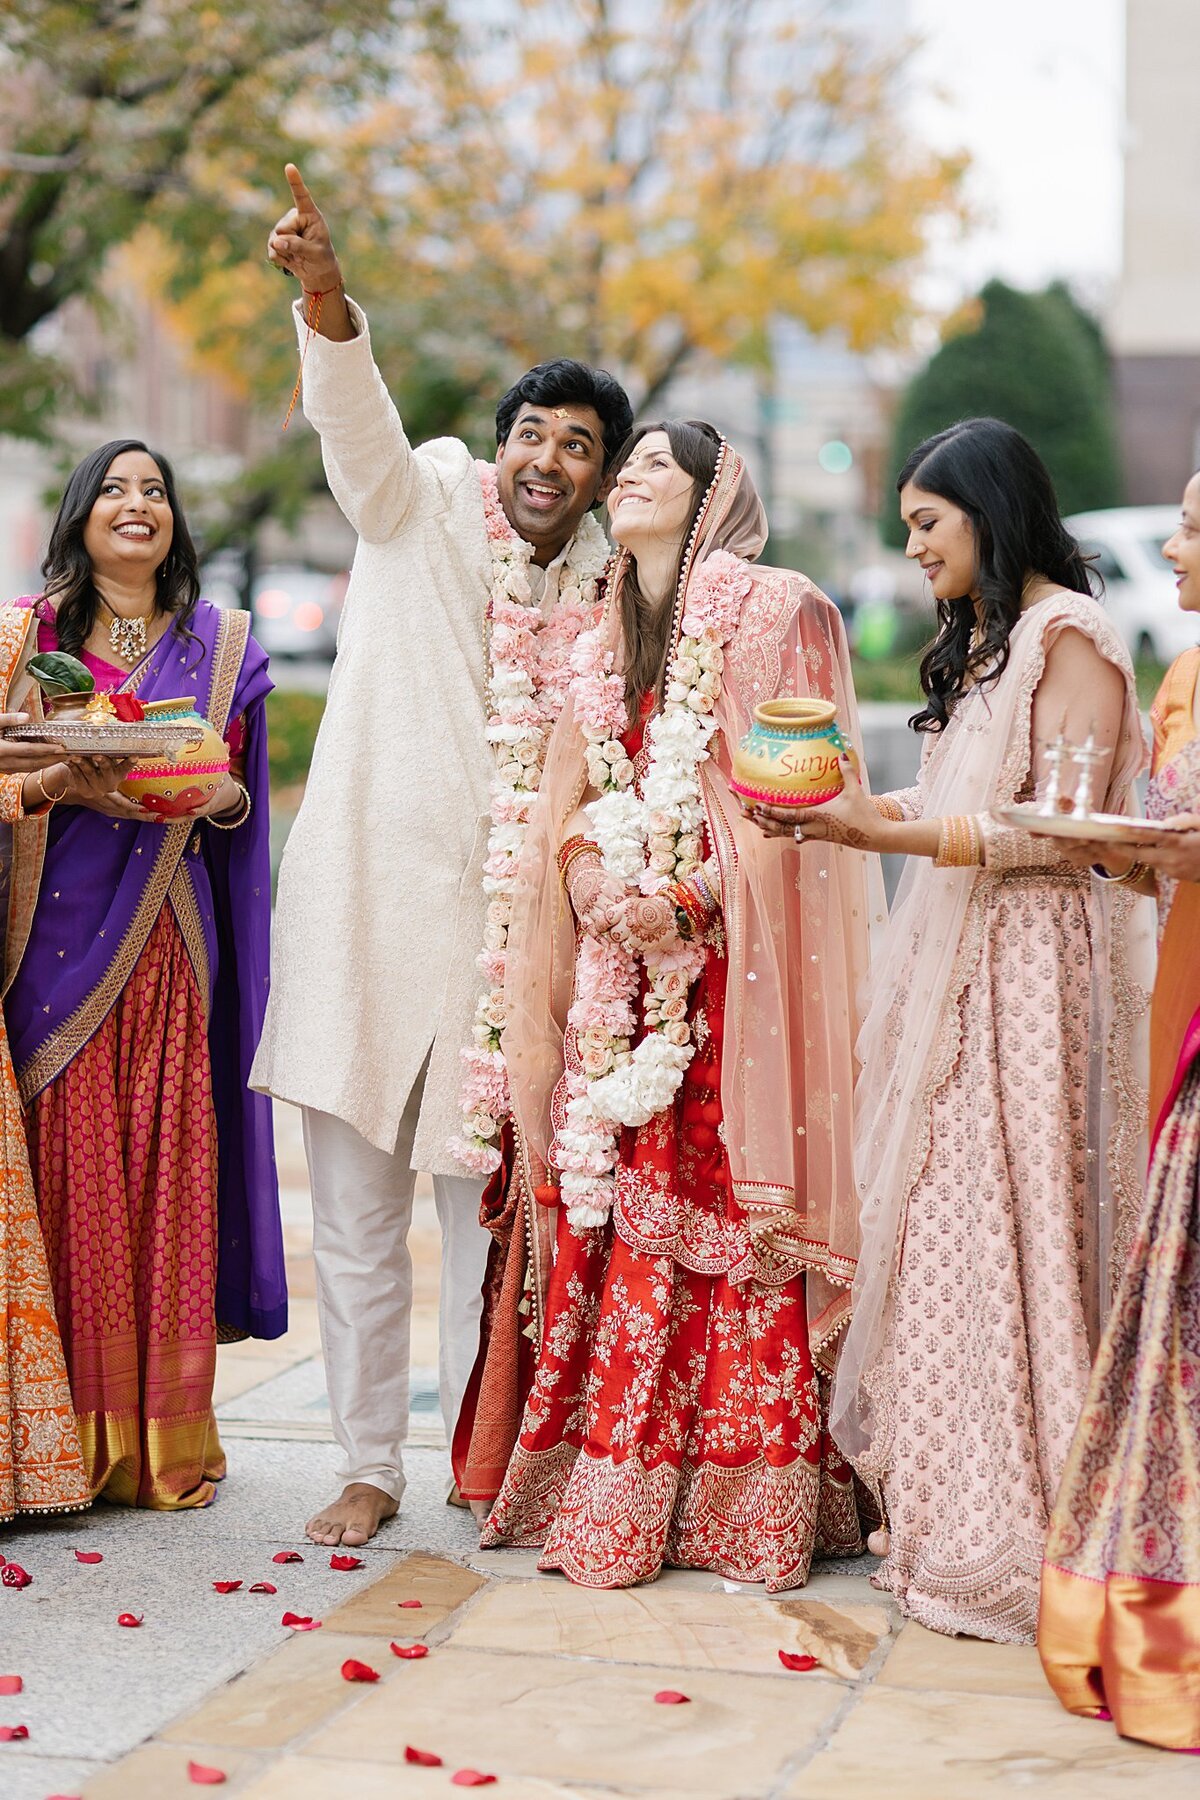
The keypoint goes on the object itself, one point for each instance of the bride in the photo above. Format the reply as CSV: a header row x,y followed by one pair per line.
x,y
680,996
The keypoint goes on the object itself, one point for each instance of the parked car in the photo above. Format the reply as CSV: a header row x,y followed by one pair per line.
x,y
296,610
1139,589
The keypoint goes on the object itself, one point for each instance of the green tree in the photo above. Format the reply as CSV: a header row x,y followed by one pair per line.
x,y
1038,362
116,115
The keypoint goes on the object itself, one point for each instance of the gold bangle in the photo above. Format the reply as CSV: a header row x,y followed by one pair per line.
x,y
48,799
960,843
243,812
1133,873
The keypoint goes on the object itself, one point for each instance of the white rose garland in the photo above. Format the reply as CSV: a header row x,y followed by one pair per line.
x,y
528,681
649,841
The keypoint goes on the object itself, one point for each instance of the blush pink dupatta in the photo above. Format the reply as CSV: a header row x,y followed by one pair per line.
x,y
797,923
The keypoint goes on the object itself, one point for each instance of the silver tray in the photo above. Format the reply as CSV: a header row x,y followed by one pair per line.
x,y
1107,828
115,737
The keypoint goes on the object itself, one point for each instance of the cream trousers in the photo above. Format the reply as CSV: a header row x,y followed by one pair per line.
x,y
362,1207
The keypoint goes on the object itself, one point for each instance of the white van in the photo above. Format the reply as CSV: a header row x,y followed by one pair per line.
x,y
1126,543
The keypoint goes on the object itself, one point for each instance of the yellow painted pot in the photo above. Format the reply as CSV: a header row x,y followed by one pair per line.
x,y
789,756
176,789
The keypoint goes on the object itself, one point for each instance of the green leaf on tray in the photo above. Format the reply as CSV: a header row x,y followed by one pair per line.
x,y
57,673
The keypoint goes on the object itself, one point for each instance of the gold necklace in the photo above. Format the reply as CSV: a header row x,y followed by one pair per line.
x,y
127,636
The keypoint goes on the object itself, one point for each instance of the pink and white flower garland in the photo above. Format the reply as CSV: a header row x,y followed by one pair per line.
x,y
650,841
529,679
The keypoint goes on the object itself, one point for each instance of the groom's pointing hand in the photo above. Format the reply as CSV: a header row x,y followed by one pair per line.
x,y
300,244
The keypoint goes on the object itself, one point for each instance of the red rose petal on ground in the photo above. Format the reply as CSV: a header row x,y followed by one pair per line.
x,y
470,1778
425,1758
14,1576
203,1776
10,1733
345,1562
130,1619
409,1603
410,1649
227,1587
11,1684
287,1556
298,1622
262,1587
88,1556
790,1660
353,1670
672,1697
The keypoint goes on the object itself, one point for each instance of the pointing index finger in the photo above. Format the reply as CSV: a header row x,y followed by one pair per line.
x,y
305,204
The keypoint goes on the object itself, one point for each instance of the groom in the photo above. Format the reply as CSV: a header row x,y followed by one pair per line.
x,y
381,908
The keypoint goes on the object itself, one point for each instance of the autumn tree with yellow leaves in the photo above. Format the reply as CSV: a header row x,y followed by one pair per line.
x,y
641,183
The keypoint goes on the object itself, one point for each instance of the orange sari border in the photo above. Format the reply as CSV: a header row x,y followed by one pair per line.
x,y
1128,1646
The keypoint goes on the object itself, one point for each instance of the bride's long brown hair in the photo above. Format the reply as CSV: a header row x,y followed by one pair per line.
x,y
646,626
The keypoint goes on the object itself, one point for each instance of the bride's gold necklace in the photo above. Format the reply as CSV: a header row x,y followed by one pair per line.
x,y
127,636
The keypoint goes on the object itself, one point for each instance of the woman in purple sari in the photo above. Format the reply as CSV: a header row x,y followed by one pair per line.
x,y
137,974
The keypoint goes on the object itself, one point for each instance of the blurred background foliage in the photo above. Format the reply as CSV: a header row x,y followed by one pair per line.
x,y
639,185
1039,362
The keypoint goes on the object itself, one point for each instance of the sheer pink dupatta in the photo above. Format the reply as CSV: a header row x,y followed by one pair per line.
x,y
796,922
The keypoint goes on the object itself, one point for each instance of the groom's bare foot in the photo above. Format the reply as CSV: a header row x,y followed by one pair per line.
x,y
354,1517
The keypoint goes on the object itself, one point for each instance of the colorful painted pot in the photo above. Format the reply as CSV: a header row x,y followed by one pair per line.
x,y
789,756
176,789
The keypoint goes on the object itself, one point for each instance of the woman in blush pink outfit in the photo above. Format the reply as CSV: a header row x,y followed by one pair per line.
x,y
999,1111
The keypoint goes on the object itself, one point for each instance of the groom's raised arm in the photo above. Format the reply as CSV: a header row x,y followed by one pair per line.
x,y
373,474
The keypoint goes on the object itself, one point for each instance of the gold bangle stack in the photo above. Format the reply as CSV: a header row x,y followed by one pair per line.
x,y
572,850
960,845
240,817
1133,873
887,808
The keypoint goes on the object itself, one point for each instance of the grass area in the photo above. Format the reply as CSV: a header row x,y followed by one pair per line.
x,y
292,721
293,717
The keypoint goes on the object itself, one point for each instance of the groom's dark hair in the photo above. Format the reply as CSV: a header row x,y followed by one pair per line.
x,y
566,383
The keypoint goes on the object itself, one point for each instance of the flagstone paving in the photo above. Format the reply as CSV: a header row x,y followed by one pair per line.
x,y
547,1688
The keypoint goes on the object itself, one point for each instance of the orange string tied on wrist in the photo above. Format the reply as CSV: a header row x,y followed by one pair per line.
x,y
312,321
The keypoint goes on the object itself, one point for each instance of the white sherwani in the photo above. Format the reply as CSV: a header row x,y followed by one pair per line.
x,y
380,910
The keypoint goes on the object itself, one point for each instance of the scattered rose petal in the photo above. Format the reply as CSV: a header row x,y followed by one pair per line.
x,y
672,1697
130,1619
88,1556
11,1684
1102,1712
14,1576
425,1758
287,1556
791,1660
227,1587
203,1776
1,1562
353,1670
64,1797
470,1778
10,1733
298,1622
263,1587
410,1649
345,1562
409,1603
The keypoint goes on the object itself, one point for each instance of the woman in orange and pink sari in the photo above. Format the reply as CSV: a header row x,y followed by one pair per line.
x,y
1119,1630
41,1462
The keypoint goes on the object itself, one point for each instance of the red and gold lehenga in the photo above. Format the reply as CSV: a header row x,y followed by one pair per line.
x,y
676,1408
1119,1627
675,1415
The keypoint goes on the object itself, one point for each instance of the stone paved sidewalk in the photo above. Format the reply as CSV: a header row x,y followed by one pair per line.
x,y
548,1688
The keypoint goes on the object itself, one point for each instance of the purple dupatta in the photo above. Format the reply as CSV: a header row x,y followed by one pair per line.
x,y
103,885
